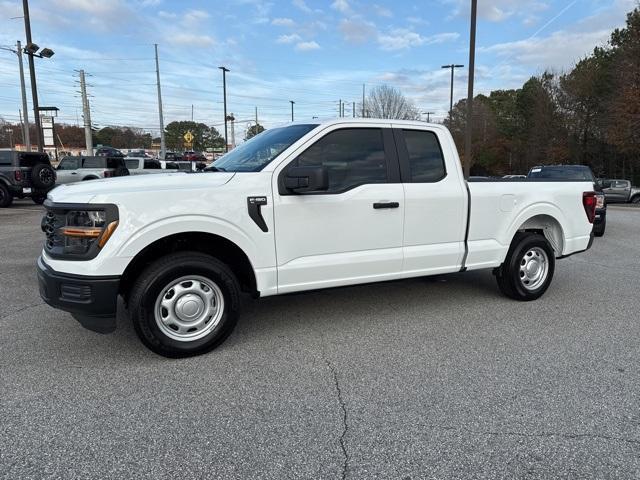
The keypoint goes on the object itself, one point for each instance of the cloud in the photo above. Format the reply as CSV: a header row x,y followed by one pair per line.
x,y
382,11
544,52
500,10
288,38
301,4
192,39
95,7
167,15
341,5
283,22
357,31
306,46
192,17
402,39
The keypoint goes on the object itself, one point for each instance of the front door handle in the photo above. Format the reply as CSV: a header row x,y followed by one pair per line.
x,y
379,205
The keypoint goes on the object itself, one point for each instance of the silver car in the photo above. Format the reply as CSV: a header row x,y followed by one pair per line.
x,y
76,169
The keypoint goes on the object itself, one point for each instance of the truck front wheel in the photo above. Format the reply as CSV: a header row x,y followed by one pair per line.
x,y
528,269
185,304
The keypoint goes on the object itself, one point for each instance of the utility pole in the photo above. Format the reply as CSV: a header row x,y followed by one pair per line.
x,y
292,102
192,112
224,95
256,118
363,100
472,59
353,109
428,114
25,124
163,146
86,115
340,108
452,67
32,74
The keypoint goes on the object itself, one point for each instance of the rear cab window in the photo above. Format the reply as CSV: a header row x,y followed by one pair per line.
x,y
132,164
93,162
426,161
6,158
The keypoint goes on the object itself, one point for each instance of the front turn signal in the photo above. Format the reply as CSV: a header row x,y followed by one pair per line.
x,y
107,233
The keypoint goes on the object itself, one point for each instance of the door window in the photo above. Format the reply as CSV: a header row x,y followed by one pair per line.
x,y
352,156
5,158
93,162
426,162
68,164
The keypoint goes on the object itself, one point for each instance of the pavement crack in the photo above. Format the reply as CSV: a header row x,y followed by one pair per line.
x,y
343,407
27,307
570,436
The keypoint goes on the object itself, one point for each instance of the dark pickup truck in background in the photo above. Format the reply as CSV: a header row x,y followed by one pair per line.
x,y
25,174
577,172
619,191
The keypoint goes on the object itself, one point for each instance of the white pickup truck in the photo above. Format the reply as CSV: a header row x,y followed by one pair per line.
x,y
300,207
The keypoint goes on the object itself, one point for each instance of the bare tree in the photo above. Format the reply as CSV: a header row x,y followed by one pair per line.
x,y
385,101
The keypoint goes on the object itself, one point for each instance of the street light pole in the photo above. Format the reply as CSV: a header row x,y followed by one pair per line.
x,y
472,59
32,74
224,95
452,67
25,116
292,102
163,145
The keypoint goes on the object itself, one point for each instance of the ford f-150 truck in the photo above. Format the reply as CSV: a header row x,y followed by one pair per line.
x,y
300,207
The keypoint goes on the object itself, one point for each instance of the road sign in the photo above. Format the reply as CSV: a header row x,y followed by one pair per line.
x,y
188,137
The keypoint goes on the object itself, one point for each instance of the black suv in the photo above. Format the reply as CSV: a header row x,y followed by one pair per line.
x,y
576,173
108,152
25,174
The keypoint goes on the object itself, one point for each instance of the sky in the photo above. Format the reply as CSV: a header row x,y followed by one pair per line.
x,y
312,52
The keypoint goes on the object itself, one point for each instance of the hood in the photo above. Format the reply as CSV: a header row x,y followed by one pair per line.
x,y
83,192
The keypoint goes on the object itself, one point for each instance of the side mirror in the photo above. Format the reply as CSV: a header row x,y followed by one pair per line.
x,y
307,179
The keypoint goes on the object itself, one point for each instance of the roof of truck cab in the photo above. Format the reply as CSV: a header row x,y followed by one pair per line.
x,y
360,121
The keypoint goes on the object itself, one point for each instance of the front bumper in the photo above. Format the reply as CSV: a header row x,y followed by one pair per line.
x,y
90,300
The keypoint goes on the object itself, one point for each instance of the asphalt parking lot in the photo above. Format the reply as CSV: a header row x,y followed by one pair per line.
x,y
427,378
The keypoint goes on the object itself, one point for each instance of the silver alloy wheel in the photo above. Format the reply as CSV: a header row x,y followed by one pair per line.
x,y
189,308
534,268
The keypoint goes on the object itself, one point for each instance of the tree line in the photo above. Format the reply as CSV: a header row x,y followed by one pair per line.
x,y
589,115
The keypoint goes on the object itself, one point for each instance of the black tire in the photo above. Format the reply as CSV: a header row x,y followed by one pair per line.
x,y
6,199
509,276
636,199
147,290
121,172
599,230
38,198
43,176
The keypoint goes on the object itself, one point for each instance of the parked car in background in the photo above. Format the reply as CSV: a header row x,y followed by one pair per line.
x,y
574,173
75,169
620,191
138,154
180,165
144,166
191,156
108,152
25,174
172,157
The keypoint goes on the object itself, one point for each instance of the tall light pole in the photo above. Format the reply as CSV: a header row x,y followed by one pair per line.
x,y
292,102
23,91
163,145
224,99
452,67
32,73
472,59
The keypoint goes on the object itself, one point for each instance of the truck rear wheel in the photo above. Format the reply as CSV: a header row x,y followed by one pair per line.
x,y
6,199
185,304
528,268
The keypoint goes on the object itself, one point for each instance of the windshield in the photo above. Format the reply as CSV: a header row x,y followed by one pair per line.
x,y
253,155
562,173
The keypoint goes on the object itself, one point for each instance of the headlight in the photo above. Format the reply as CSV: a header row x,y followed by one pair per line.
x,y
78,233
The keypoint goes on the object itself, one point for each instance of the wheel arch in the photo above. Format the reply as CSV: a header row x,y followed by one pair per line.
x,y
204,242
546,225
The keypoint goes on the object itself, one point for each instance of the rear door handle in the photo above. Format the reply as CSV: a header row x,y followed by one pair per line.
x,y
379,205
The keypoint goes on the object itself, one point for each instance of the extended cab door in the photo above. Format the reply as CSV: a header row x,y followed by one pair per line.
x,y
66,171
435,201
352,232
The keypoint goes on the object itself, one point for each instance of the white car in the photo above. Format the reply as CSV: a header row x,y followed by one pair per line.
x,y
144,166
300,207
76,169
